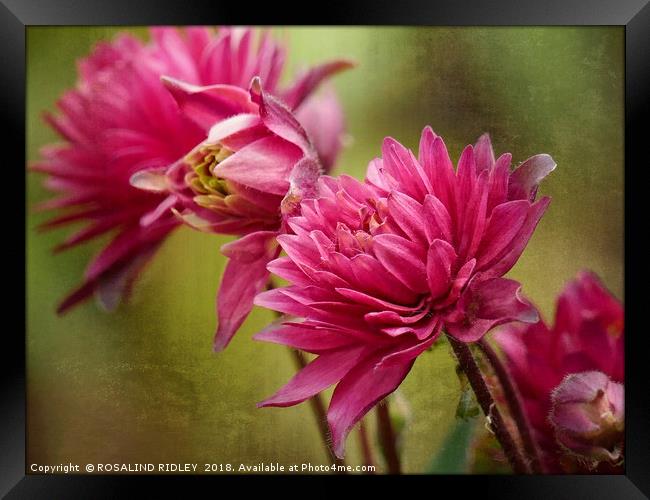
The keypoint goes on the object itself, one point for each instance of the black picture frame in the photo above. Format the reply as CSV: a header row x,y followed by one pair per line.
x,y
634,15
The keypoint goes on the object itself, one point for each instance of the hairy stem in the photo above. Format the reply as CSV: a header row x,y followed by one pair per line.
x,y
484,397
318,407
517,412
366,449
388,438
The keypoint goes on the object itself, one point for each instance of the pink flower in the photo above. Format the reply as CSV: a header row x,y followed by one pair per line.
x,y
253,169
587,336
379,268
588,415
120,119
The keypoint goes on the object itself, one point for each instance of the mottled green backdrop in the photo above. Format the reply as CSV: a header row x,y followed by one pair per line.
x,y
142,384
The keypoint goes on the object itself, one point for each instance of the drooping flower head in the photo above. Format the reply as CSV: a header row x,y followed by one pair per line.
x,y
379,268
120,119
588,336
252,171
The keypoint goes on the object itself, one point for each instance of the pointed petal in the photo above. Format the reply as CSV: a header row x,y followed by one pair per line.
x,y
323,119
277,117
440,258
487,304
438,221
483,153
361,389
286,269
163,208
525,179
207,105
264,165
327,369
278,300
403,259
409,352
237,131
114,285
150,180
245,276
403,167
78,295
306,83
306,339
407,213
518,244
503,226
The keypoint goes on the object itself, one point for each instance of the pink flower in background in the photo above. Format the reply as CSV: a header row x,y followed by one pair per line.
x,y
120,119
379,268
587,336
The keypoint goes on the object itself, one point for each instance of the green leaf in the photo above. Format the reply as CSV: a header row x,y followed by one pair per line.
x,y
467,404
453,456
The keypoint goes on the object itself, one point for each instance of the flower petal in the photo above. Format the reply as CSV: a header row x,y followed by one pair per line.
x,y
264,165
306,83
503,226
309,339
524,180
517,245
277,117
440,258
209,104
407,213
245,276
327,369
487,304
483,153
362,388
323,119
302,185
403,259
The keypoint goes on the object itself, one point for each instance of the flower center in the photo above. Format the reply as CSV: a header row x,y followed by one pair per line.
x,y
209,188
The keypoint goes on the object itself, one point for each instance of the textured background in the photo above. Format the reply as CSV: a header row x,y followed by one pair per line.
x,y
142,385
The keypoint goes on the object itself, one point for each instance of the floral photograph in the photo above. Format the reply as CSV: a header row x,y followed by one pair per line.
x,y
320,250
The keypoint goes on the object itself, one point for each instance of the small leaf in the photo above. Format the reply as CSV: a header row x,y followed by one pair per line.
x,y
467,405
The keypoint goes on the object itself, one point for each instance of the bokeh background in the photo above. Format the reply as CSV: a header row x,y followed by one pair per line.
x,y
142,384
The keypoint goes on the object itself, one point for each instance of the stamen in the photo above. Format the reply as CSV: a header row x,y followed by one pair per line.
x,y
210,189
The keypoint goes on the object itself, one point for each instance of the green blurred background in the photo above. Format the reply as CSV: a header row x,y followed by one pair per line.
x,y
142,384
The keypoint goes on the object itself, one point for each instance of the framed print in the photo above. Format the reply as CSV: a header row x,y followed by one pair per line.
x,y
264,247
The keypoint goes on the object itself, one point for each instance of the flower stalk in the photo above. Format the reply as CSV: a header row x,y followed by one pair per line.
x,y
388,438
366,448
490,410
515,406
318,409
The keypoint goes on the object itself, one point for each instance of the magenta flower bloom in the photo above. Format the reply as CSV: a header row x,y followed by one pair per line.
x,y
588,415
379,268
120,119
588,335
252,171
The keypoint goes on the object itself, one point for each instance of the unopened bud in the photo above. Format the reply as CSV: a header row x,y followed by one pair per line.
x,y
588,416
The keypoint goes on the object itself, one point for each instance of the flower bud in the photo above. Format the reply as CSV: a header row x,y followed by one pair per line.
x,y
588,416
